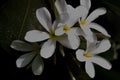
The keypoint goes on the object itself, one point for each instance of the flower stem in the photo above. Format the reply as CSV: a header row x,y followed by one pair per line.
x,y
52,2
62,50
70,73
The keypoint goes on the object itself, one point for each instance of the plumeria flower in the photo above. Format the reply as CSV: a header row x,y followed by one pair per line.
x,y
68,17
86,22
49,46
90,56
32,56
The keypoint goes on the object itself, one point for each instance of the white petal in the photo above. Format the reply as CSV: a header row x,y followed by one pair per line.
x,y
25,59
64,17
61,6
101,62
59,31
70,10
65,42
82,11
95,14
37,65
99,28
88,33
74,40
35,36
103,46
55,24
90,69
73,16
86,3
92,45
44,18
48,48
79,55
21,46
77,31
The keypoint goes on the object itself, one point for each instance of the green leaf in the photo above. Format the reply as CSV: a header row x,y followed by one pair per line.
x,y
16,18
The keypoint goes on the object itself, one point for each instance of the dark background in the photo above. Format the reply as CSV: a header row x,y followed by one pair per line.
x,y
111,20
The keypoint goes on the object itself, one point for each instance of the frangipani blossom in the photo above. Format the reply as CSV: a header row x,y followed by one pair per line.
x,y
86,22
90,56
48,48
68,17
32,56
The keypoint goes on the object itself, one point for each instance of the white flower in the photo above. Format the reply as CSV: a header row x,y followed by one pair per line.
x,y
86,21
49,46
31,55
89,56
68,17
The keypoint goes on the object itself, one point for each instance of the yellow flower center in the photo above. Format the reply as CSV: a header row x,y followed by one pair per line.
x,y
82,22
66,28
53,36
86,54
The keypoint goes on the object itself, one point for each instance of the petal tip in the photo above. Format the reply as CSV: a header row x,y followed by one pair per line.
x,y
18,64
109,67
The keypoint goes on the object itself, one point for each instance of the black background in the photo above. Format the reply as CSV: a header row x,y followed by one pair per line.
x,y
8,69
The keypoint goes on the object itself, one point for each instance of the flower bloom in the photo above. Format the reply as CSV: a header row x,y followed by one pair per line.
x,y
90,56
86,22
31,55
68,17
49,46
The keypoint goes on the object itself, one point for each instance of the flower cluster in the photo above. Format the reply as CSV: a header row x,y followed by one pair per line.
x,y
65,31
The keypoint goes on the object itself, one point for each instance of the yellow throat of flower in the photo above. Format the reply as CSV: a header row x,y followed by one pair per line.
x,y
86,54
51,34
66,28
82,22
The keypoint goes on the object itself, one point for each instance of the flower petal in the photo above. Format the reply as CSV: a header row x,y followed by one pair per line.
x,y
73,39
65,42
82,11
59,30
92,45
44,18
79,55
25,59
95,14
55,24
86,3
90,69
37,65
73,16
21,46
48,48
99,28
61,6
88,33
63,17
77,31
35,36
103,46
101,62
